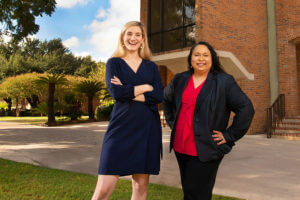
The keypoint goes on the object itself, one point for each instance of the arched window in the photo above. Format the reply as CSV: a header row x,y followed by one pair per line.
x,y
171,24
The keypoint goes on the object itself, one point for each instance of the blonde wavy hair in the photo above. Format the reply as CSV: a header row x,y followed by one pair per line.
x,y
144,51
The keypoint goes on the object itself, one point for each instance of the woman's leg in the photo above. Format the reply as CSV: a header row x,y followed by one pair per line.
x,y
197,178
105,186
139,186
181,160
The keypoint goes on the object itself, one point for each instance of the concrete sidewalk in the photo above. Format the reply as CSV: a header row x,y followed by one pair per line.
x,y
256,169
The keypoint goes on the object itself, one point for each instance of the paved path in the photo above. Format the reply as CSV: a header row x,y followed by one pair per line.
x,y
256,169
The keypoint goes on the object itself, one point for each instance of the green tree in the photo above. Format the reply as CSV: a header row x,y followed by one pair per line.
x,y
31,47
12,89
51,57
98,73
17,59
18,88
62,90
3,64
90,88
87,66
19,16
51,80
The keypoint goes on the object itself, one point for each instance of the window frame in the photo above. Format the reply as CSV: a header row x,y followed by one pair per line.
x,y
162,32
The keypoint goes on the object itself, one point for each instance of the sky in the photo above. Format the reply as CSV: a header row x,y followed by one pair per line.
x,y
88,27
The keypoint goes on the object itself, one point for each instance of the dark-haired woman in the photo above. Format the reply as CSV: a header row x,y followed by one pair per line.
x,y
197,105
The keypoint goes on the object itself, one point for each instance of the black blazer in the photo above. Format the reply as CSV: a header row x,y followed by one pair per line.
x,y
219,96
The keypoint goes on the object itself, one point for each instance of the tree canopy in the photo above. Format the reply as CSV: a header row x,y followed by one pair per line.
x,y
18,16
51,56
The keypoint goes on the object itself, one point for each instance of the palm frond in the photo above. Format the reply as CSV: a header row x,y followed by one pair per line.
x,y
51,79
89,86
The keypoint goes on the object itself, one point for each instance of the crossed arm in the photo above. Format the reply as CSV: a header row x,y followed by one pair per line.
x,y
139,90
150,94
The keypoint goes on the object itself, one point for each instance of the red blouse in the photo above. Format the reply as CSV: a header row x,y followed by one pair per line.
x,y
184,141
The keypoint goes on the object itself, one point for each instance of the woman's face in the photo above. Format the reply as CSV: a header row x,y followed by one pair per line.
x,y
201,59
133,38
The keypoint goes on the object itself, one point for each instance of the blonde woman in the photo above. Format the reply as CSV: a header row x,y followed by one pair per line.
x,y
132,143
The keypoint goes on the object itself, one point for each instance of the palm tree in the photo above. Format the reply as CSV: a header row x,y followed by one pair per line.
x,y
51,80
90,88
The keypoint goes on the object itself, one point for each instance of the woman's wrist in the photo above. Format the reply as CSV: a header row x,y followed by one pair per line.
x,y
149,88
140,98
141,89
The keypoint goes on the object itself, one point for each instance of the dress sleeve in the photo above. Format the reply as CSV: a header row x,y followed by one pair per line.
x,y
240,104
118,92
168,103
156,95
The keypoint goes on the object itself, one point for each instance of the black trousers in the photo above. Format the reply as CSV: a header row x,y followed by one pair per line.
x,y
197,178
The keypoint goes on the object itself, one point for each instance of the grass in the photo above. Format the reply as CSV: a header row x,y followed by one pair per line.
x,y
19,181
41,120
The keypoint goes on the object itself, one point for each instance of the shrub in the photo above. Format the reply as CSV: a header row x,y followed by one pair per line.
x,y
3,106
103,112
42,108
28,113
72,107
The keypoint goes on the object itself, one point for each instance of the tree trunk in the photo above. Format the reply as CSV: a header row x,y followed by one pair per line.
x,y
51,114
23,104
90,106
17,107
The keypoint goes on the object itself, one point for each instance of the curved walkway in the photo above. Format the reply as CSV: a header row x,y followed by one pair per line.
x,y
256,169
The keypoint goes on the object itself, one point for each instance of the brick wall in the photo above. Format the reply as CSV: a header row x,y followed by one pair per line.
x,y
298,72
240,26
288,29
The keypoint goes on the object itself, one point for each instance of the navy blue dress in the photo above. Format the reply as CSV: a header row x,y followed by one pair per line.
x,y
133,141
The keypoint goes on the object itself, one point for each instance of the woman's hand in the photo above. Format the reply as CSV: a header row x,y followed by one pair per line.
x,y
218,136
148,88
141,89
115,80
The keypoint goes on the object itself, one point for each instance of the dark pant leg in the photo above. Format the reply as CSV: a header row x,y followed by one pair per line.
x,y
197,178
181,160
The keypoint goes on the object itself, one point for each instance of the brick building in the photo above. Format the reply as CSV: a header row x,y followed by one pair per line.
x,y
258,42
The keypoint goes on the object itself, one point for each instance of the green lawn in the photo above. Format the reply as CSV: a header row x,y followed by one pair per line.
x,y
19,181
37,120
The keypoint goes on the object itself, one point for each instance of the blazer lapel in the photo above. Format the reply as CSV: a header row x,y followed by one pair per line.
x,y
205,91
183,83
